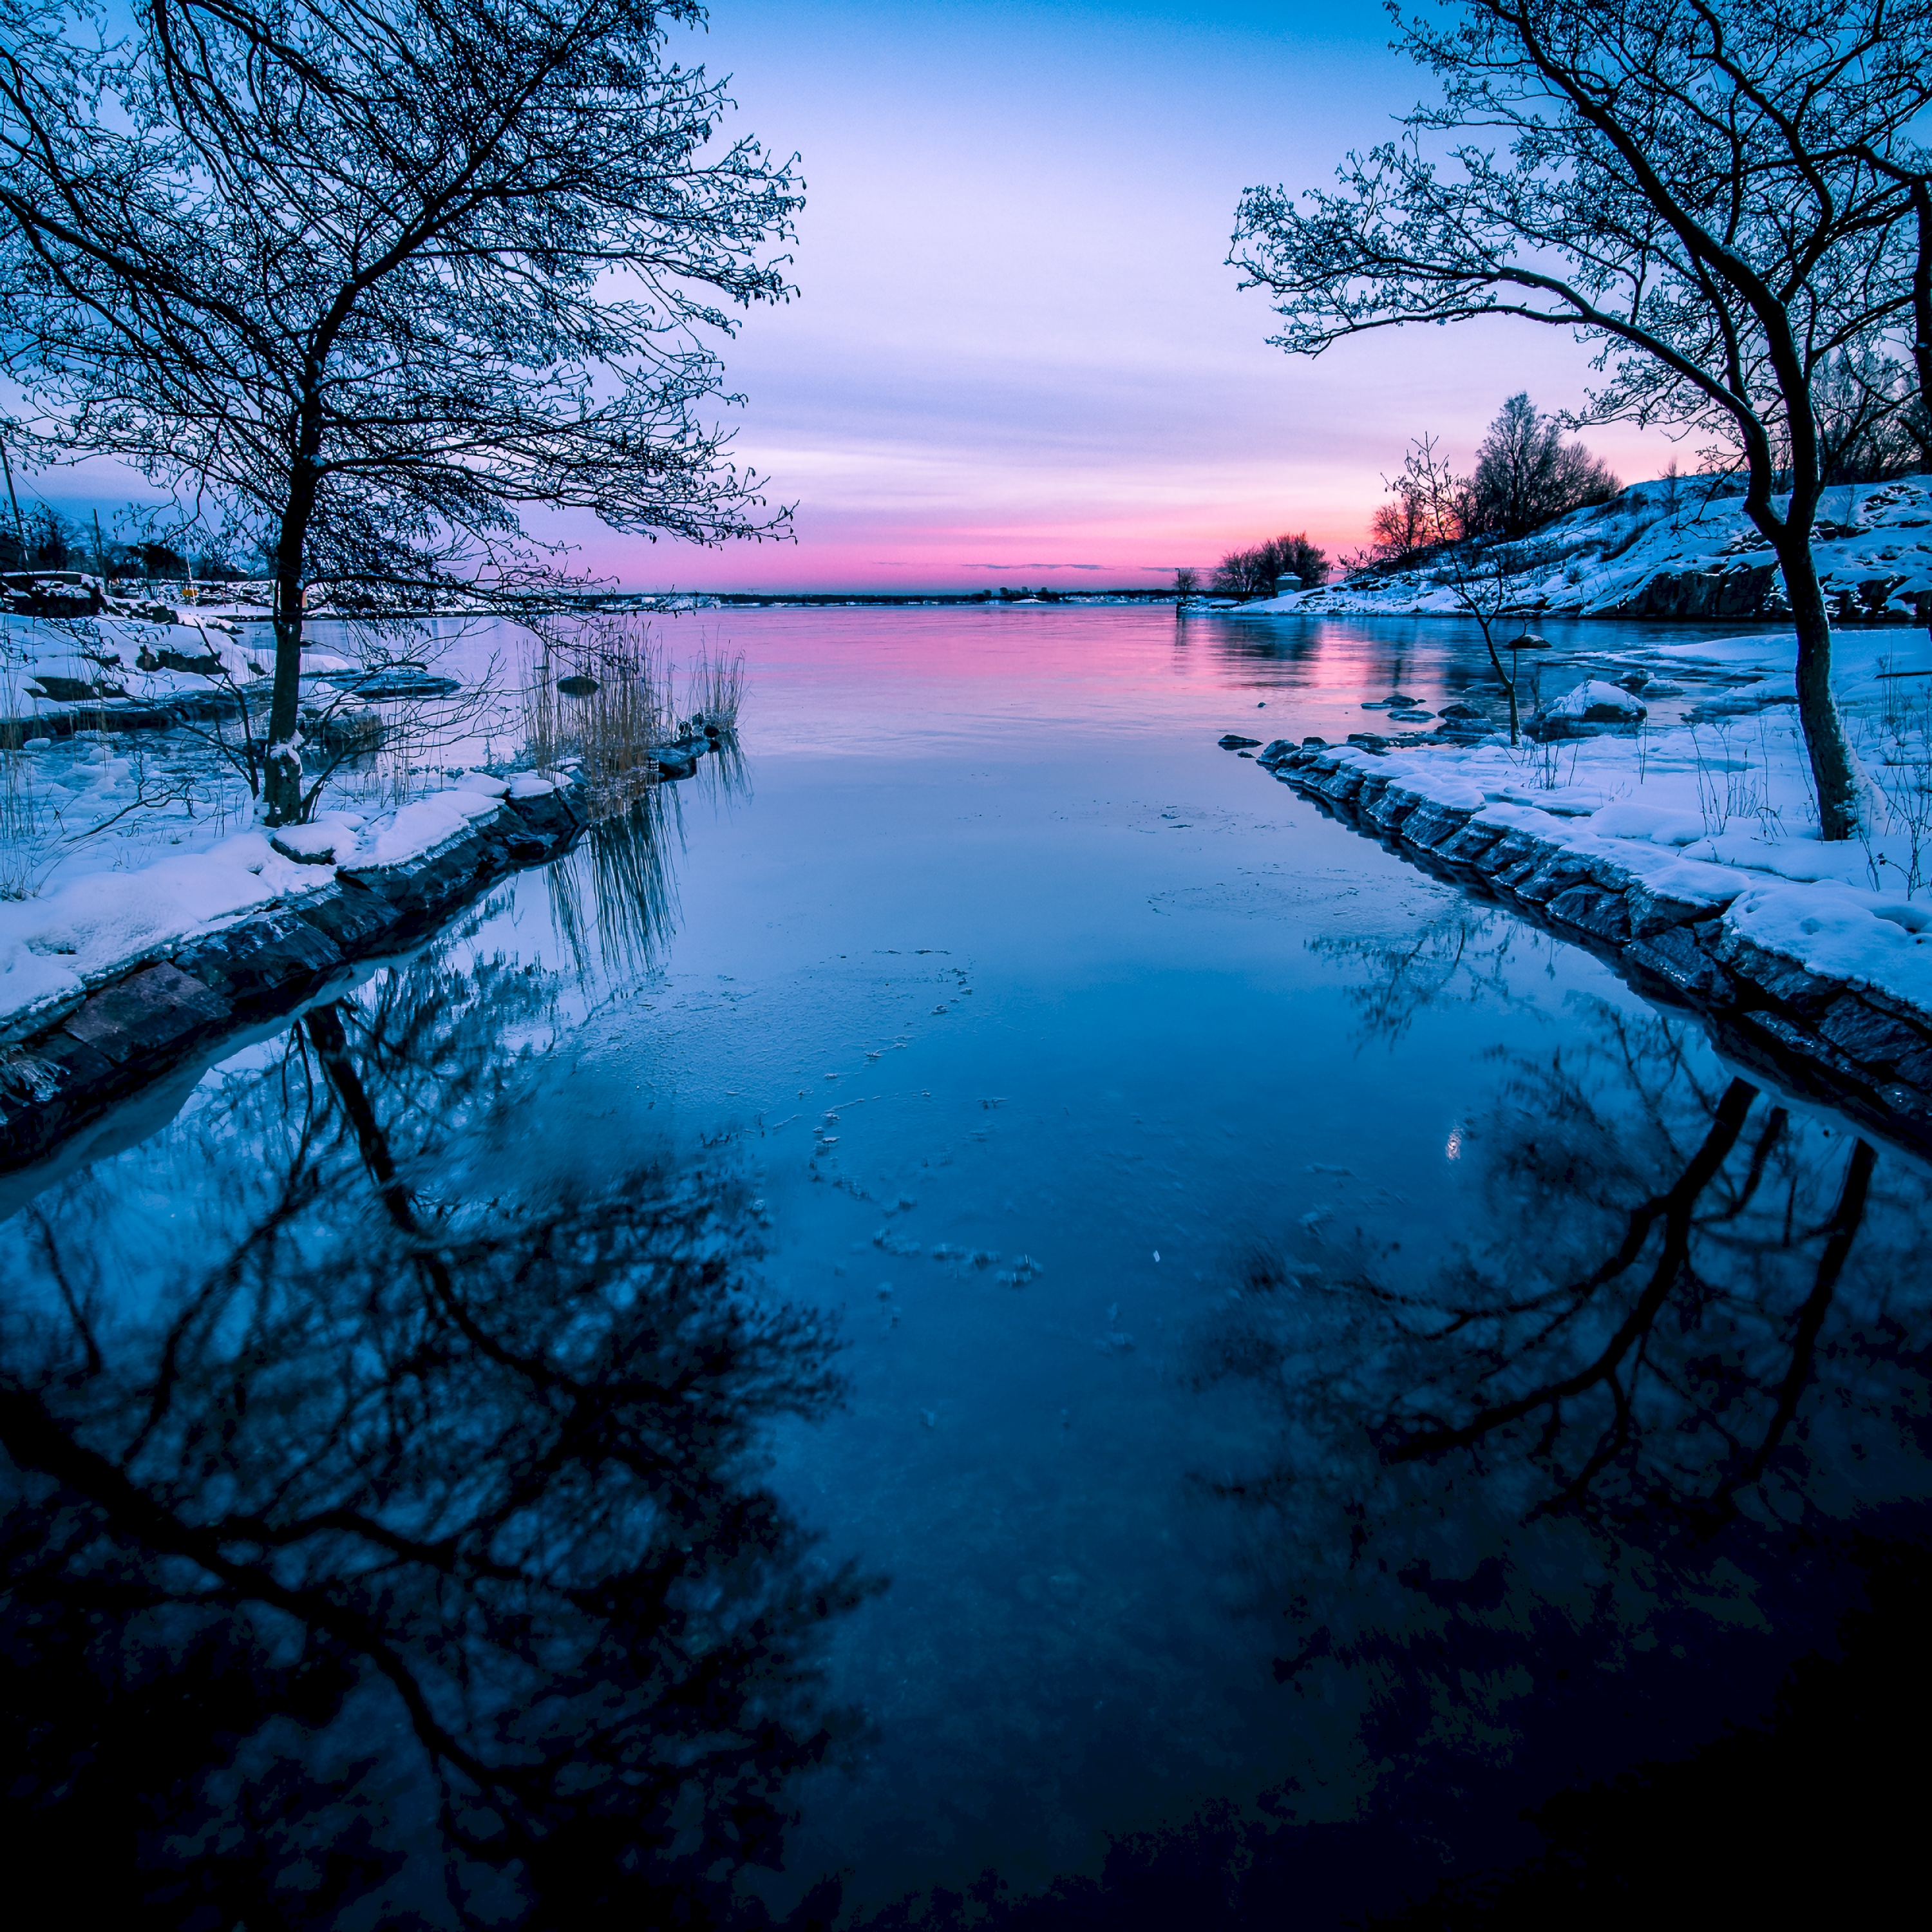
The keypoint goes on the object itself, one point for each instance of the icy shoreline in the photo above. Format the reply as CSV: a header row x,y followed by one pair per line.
x,y
123,976
1797,970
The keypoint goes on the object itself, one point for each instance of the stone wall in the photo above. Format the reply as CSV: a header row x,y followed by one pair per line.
x,y
1854,1047
211,984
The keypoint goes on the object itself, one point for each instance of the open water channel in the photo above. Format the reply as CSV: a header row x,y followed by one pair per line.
x,y
983,1291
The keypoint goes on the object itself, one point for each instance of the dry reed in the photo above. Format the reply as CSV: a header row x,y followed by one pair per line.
x,y
597,695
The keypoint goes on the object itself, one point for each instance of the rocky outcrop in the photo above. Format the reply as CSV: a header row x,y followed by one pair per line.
x,y
1856,1047
1754,590
126,1034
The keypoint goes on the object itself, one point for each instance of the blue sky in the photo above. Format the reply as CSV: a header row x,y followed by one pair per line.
x,y
1017,355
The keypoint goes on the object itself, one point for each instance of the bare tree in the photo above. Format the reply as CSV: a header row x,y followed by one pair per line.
x,y
1437,507
1259,572
356,280
1527,476
1717,195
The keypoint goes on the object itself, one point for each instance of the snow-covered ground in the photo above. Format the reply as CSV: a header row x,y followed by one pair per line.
x,y
116,844
1721,811
1671,548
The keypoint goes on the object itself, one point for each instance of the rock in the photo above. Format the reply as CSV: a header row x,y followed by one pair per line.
x,y
545,814
1751,591
1410,717
1368,741
1233,741
148,1015
207,666
1469,711
310,845
579,687
71,690
392,682
1592,703
1529,641
251,963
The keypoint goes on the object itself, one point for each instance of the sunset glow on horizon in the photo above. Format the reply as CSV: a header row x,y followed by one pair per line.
x,y
1017,355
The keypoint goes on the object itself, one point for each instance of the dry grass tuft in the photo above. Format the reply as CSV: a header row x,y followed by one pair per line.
x,y
715,689
615,719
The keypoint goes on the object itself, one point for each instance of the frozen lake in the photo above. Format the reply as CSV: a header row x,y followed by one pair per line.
x,y
1174,1161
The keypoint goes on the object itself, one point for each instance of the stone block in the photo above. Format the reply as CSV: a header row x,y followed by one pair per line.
x,y
1871,1038
147,1016
252,962
350,915
1473,844
1673,955
1782,980
1593,908
1432,826
45,1088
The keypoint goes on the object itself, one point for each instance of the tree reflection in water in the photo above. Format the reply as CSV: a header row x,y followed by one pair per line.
x,y
1683,1329
376,1534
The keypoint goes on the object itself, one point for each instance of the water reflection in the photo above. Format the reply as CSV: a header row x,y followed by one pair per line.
x,y
1679,1333
613,896
380,1541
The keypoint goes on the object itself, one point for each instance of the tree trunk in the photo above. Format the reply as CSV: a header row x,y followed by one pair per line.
x,y
282,785
1833,773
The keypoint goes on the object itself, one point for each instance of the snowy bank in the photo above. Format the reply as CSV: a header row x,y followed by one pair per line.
x,y
116,976
1637,850
1671,549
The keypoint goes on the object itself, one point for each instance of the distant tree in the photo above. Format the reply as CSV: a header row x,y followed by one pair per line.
x,y
368,276
154,558
1262,571
1399,529
1527,476
1187,584
1719,195
51,541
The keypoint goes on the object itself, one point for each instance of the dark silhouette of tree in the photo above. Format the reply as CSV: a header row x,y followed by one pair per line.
x,y
359,280
434,1511
1263,571
1527,476
1676,1329
51,540
1399,529
1719,196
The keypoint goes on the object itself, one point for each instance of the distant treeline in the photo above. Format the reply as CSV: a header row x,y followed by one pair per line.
x,y
40,539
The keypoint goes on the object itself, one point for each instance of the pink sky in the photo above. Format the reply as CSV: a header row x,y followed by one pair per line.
x,y
1017,356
